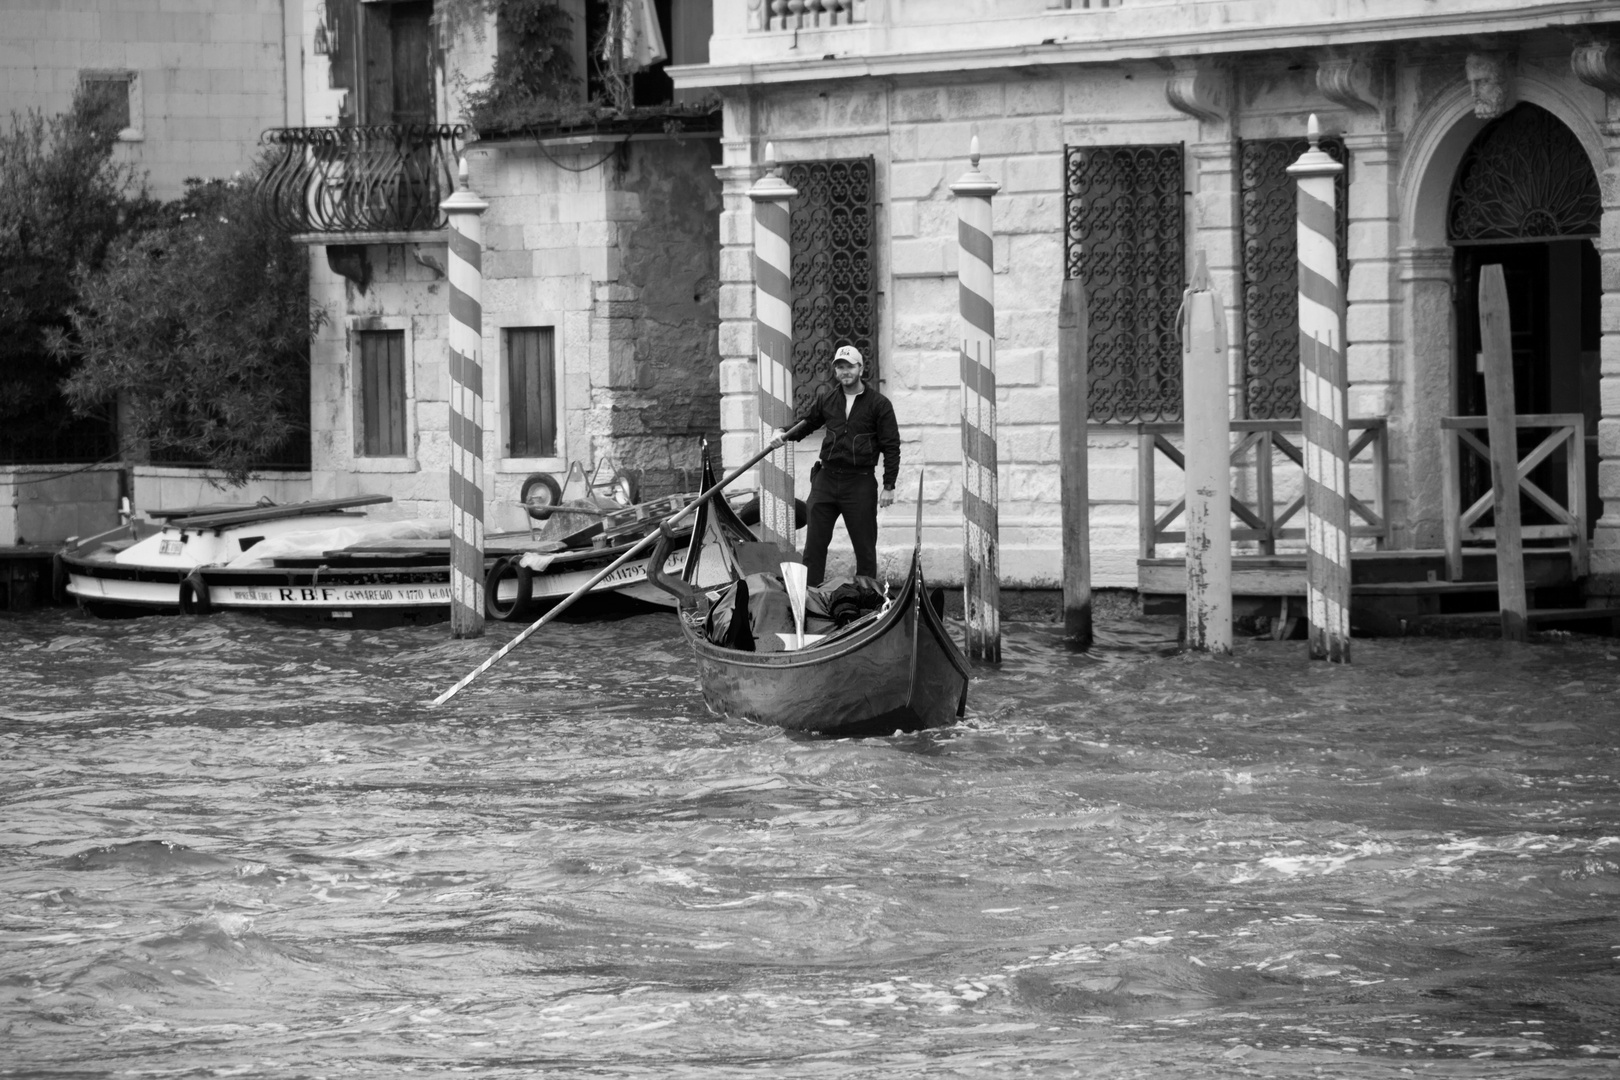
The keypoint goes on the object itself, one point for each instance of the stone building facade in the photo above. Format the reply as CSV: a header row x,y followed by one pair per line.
x,y
600,276
1204,102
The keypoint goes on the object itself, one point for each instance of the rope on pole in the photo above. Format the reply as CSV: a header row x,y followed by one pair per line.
x,y
464,275
773,312
1323,406
981,531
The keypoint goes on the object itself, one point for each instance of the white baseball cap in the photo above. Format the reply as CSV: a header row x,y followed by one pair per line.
x,y
848,354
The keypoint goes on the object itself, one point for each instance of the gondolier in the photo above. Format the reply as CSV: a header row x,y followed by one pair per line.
x,y
860,426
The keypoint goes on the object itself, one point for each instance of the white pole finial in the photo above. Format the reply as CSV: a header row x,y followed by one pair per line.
x,y
973,151
770,155
1313,131
461,171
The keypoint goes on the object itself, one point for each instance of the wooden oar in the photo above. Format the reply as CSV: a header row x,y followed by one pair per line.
x,y
642,545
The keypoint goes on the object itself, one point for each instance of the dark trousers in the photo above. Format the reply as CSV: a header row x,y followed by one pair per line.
x,y
851,494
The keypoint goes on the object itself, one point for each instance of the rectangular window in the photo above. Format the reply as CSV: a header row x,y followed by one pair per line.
x,y
114,97
1124,212
382,393
531,392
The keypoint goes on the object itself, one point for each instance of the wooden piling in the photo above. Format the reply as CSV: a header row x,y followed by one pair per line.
x,y
464,278
1074,379
981,530
1207,414
1496,339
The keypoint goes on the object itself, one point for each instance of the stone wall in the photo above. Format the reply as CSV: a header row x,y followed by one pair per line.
x,y
209,75
44,504
663,316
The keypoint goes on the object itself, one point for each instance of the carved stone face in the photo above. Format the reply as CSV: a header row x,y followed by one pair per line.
x,y
1487,78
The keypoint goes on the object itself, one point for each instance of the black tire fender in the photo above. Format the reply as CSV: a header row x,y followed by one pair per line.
x,y
194,595
493,607
59,579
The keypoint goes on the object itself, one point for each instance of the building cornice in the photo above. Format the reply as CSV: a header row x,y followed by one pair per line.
x,y
822,61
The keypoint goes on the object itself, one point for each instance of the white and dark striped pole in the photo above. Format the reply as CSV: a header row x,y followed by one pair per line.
x,y
773,315
976,298
1323,392
465,278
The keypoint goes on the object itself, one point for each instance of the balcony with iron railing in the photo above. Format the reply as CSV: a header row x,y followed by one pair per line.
x,y
385,179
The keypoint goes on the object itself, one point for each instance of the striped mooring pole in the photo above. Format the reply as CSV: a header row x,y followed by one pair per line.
x,y
465,277
1323,391
976,299
773,315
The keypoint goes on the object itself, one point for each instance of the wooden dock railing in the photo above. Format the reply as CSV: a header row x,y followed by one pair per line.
x,y
1566,431
1262,519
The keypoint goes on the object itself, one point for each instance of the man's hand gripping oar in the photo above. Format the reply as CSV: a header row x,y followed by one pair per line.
x,y
641,546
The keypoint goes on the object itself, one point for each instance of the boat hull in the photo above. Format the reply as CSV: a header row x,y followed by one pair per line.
x,y
900,674
191,565
373,595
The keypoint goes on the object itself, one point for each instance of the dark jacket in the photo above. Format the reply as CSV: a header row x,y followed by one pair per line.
x,y
855,442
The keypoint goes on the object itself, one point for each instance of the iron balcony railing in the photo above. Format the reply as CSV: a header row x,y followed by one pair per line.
x,y
384,178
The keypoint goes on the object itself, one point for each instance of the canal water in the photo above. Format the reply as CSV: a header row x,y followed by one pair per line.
x,y
234,848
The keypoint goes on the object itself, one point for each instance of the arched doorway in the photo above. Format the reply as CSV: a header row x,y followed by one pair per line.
x,y
1526,197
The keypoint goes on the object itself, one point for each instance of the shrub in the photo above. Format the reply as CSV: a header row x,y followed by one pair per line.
x,y
200,324
534,76
62,201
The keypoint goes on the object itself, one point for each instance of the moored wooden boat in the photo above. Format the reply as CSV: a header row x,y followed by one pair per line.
x,y
895,669
321,562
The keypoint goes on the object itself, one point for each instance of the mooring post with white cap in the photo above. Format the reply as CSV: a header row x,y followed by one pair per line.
x,y
1207,413
1323,390
773,315
464,348
975,270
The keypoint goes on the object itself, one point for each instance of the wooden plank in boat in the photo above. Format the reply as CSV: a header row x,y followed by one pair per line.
x,y
253,514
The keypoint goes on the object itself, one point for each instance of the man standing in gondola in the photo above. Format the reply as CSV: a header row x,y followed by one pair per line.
x,y
860,426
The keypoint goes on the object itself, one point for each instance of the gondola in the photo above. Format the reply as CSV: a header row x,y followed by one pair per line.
x,y
896,669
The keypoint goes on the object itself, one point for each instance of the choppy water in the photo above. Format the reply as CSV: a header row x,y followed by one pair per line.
x,y
231,848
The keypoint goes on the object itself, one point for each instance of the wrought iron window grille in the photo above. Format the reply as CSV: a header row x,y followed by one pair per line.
x,y
833,227
1124,212
1270,299
1525,177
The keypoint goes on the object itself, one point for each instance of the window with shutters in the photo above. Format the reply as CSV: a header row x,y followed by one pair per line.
x,y
382,53
1124,207
381,394
531,391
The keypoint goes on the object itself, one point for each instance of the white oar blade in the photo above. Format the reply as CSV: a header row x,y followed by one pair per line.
x,y
796,578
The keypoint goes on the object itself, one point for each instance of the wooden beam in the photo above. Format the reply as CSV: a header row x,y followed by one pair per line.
x,y
1496,335
1074,330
